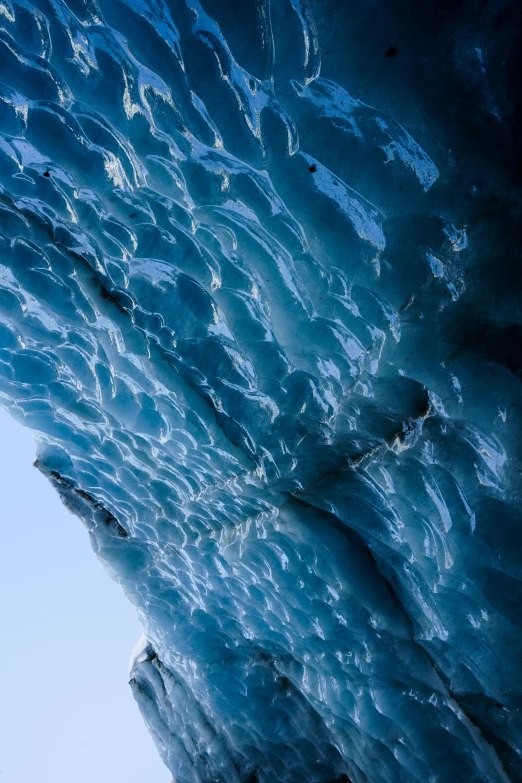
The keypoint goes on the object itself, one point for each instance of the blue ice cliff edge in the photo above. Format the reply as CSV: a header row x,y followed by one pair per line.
x,y
260,305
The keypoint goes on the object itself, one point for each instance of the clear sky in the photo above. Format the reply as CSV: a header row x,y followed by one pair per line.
x,y
67,714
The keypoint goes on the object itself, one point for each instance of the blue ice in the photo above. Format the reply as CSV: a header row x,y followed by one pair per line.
x,y
259,303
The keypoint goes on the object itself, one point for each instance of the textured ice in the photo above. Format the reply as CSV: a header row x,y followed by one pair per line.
x,y
259,302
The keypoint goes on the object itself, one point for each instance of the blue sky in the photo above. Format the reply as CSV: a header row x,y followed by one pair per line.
x,y
67,713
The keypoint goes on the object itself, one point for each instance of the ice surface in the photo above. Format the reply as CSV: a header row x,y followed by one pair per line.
x,y
259,301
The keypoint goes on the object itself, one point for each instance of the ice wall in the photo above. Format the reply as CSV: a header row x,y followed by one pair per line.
x,y
259,302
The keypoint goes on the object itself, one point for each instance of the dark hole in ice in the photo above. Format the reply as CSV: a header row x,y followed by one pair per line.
x,y
46,174
312,169
391,52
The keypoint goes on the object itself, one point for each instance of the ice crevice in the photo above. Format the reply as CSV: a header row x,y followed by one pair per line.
x,y
260,306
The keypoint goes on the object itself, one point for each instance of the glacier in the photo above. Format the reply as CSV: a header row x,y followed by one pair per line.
x,y
260,307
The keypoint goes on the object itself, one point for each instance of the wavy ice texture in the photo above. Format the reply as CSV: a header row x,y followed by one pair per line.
x,y
263,317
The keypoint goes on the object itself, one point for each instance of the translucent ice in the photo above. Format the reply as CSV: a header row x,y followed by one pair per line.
x,y
259,301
